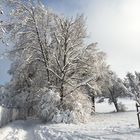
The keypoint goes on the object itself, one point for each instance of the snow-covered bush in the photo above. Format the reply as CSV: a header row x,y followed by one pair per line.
x,y
74,108
122,107
7,115
48,104
79,105
63,116
73,113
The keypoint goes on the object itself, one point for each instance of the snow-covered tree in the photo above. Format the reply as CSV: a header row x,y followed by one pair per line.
x,y
30,36
93,61
114,88
49,51
132,82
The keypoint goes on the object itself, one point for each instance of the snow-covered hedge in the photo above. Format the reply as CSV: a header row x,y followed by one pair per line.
x,y
74,108
7,115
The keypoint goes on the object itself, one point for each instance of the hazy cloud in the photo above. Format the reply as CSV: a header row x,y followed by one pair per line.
x,y
115,24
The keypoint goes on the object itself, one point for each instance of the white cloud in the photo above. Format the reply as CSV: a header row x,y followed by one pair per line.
x,y
115,25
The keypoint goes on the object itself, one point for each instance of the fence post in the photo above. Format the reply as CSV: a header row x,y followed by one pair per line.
x,y
138,113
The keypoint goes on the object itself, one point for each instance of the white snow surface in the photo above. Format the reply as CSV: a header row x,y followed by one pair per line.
x,y
106,125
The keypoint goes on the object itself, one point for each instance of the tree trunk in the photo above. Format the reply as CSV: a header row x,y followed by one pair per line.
x,y
63,71
114,100
90,92
93,101
116,105
61,93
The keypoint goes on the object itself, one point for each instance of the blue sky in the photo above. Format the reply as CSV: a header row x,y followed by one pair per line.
x,y
114,24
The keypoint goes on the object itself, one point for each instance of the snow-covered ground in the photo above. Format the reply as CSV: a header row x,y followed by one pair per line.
x,y
105,126
104,107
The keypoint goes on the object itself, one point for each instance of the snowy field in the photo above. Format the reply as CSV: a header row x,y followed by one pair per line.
x,y
106,125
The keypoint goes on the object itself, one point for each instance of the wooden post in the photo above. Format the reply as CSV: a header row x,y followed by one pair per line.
x,y
138,113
